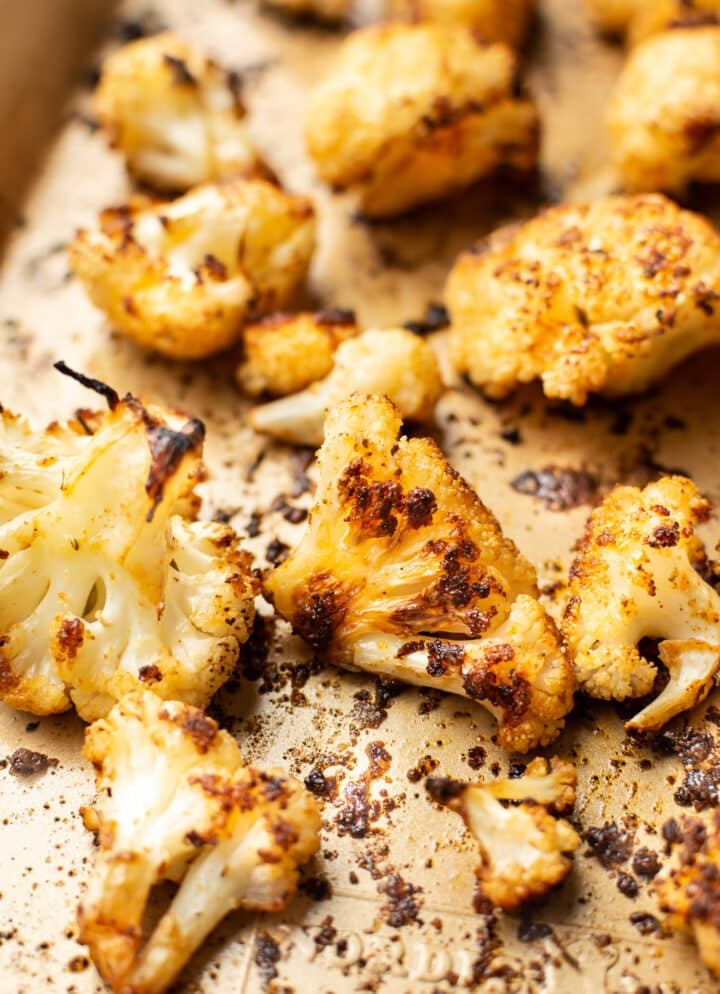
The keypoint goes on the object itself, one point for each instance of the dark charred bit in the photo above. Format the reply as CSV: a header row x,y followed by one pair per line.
x,y
26,763
326,934
423,768
98,386
529,931
265,957
443,790
610,844
316,888
476,757
335,316
150,673
373,505
488,944
403,904
420,505
321,611
300,460
181,74
168,448
358,811
318,784
195,839
665,536
559,488
511,693
69,638
201,729
646,863
435,318
254,653
443,656
277,552
645,923
511,435
627,885
379,758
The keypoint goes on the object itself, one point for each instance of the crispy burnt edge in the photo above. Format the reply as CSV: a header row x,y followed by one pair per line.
x,y
697,876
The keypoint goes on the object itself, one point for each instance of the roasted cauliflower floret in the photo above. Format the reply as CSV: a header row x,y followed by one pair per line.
x,y
412,113
395,363
183,277
641,18
596,297
330,11
106,584
176,116
635,577
525,850
403,572
176,802
284,353
662,116
492,20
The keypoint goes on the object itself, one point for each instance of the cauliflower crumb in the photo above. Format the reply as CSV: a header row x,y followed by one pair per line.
x,y
492,20
413,113
395,363
639,19
183,277
176,802
525,849
636,576
404,573
596,297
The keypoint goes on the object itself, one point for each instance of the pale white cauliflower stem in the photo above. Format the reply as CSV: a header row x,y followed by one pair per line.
x,y
598,297
641,18
106,584
635,577
395,363
176,802
405,573
176,116
525,850
491,20
183,277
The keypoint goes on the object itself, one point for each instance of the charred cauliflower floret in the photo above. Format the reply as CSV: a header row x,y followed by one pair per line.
x,y
176,802
635,577
525,849
395,363
404,573
284,353
176,117
492,20
413,113
597,297
329,11
182,277
662,116
106,582
641,18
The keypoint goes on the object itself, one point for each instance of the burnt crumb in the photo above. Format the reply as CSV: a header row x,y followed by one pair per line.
x,y
529,931
32,726
326,933
516,770
645,923
423,768
689,745
300,460
318,784
224,515
277,552
26,763
252,528
316,888
665,536
134,28
403,903
111,396
512,436
254,465
379,760
254,653
443,656
295,515
488,944
568,412
443,790
610,844
265,957
646,863
431,702
699,789
435,318
559,488
476,757
366,713
386,690
358,811
671,833
627,885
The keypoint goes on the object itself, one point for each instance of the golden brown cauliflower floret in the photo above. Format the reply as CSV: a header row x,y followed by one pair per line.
x,y
183,277
596,297
284,353
662,116
176,802
492,20
412,113
635,577
106,582
525,850
176,117
329,11
394,363
403,572
641,18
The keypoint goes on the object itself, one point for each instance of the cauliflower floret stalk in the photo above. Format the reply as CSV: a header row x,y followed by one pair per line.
x,y
403,572
636,576
176,802
525,849
395,363
106,581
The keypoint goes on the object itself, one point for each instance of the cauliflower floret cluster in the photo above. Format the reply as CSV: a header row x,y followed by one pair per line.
x,y
395,363
412,113
404,573
329,11
183,277
176,116
662,116
526,850
176,802
284,353
641,18
635,577
106,582
595,297
492,20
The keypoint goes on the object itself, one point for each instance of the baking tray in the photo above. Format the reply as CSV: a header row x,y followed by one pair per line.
x,y
387,906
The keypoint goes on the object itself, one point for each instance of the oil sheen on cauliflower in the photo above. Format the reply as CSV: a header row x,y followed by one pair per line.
x,y
662,116
395,363
106,582
635,577
284,353
412,113
176,116
176,802
492,20
183,277
404,573
641,18
593,297
525,849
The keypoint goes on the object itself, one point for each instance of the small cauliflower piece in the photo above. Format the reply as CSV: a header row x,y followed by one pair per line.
x,y
525,850
636,576
284,353
493,20
106,582
639,19
327,11
413,113
176,802
403,572
593,297
395,363
662,116
176,116
183,277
